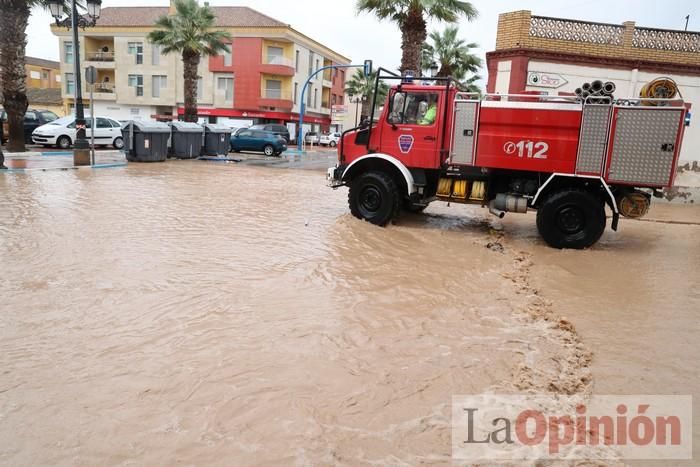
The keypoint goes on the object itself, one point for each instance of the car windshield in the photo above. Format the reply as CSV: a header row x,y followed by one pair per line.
x,y
49,116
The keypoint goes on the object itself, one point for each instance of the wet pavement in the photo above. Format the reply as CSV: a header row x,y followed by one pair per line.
x,y
226,313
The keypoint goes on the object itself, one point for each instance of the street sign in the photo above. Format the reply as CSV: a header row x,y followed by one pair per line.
x,y
91,75
368,67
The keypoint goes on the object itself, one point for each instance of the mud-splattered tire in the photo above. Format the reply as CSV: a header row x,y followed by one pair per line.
x,y
374,197
571,219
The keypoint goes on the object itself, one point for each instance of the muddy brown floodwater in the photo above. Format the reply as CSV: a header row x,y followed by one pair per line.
x,y
202,314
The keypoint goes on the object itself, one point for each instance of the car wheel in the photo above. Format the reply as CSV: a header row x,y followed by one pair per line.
x,y
571,219
63,142
118,142
268,150
333,144
374,197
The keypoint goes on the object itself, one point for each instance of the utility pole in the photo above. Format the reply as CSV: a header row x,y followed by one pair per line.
x,y
687,18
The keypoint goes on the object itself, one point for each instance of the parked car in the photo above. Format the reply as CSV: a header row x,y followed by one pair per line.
x,y
62,132
311,137
33,119
247,139
276,128
330,139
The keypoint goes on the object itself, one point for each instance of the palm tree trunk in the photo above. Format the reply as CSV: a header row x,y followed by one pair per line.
x,y
413,35
13,40
191,63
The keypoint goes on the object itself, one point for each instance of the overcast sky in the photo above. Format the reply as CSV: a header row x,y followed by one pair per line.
x,y
336,24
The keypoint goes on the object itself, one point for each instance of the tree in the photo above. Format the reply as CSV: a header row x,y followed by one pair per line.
x,y
452,55
411,17
190,32
363,87
13,42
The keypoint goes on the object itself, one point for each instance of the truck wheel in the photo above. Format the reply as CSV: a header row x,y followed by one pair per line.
x,y
571,219
374,197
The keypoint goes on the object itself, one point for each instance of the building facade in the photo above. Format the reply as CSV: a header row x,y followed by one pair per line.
x,y
259,81
553,55
42,74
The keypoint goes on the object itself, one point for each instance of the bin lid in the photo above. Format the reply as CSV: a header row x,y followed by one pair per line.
x,y
147,126
216,128
186,127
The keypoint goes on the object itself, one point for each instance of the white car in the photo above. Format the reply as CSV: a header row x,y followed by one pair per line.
x,y
61,132
330,139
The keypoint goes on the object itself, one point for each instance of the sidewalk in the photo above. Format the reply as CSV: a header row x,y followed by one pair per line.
x,y
58,160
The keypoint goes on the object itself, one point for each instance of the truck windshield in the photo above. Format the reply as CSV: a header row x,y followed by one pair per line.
x,y
413,108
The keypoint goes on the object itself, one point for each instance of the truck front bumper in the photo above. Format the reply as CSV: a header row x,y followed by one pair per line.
x,y
334,177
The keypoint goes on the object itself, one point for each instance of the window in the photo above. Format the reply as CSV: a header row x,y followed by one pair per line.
x,y
226,85
30,117
342,78
413,108
296,92
341,99
334,98
157,51
200,89
103,123
308,97
275,55
44,74
228,56
70,84
273,89
311,62
136,82
68,52
315,98
115,124
136,49
159,82
317,67
296,62
49,116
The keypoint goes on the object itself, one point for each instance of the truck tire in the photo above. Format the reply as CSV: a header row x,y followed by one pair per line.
x,y
571,219
374,197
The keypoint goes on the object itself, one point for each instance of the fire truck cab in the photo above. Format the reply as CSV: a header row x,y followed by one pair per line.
x,y
563,156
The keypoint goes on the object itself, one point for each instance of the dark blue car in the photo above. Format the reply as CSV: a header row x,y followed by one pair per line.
x,y
257,140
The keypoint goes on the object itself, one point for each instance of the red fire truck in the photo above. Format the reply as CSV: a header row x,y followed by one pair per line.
x,y
563,156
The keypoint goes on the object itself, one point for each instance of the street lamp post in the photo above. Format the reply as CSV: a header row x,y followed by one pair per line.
x,y
81,146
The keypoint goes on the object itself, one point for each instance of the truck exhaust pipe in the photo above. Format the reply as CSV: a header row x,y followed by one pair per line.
x,y
504,203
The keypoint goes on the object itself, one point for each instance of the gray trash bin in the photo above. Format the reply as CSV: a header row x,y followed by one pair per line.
x,y
186,142
146,141
217,140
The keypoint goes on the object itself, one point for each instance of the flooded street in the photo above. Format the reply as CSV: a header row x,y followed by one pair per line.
x,y
221,314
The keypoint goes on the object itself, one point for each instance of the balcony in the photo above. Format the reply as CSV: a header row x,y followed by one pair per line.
x,y
100,59
102,91
276,65
276,98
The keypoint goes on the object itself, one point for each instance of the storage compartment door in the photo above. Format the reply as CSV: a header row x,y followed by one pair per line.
x,y
645,145
464,132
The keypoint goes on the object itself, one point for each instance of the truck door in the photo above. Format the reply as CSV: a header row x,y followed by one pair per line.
x,y
411,131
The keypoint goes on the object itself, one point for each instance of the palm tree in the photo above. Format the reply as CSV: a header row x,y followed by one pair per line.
x,y
452,55
190,32
411,17
13,41
363,87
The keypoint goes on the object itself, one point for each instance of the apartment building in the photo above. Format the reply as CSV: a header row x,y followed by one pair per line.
x,y
42,74
259,81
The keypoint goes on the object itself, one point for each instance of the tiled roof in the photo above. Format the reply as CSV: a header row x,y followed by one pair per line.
x,y
226,16
41,62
